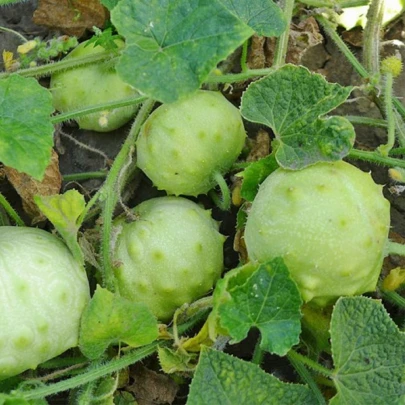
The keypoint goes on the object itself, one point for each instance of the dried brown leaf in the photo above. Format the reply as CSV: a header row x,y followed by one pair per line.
x,y
261,146
303,37
72,17
27,187
151,388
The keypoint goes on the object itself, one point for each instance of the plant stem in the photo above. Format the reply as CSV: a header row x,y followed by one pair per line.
x,y
282,42
111,190
85,176
371,37
238,77
376,157
331,31
61,65
373,122
258,354
11,211
394,297
307,378
394,248
243,58
91,375
95,108
389,113
297,357
332,3
399,107
17,34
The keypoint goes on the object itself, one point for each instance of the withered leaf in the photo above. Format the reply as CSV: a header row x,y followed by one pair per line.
x,y
303,37
151,388
72,17
27,187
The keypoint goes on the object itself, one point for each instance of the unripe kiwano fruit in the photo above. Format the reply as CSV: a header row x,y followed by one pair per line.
x,y
170,255
44,292
182,144
90,85
329,222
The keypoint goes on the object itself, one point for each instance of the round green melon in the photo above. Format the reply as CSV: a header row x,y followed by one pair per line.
x,y
43,294
170,255
90,85
329,222
183,144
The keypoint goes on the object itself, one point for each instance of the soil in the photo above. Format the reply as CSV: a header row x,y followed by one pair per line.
x,y
86,151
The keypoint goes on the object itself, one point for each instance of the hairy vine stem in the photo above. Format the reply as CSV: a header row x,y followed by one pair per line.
x,y
110,191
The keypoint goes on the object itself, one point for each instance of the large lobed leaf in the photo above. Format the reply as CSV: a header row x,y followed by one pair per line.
x,y
368,353
262,296
226,380
292,102
173,45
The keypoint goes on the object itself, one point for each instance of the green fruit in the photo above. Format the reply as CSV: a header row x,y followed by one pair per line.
x,y
183,144
170,255
330,224
44,291
90,85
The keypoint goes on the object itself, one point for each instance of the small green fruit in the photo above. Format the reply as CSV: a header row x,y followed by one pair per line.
x,y
90,85
330,224
183,144
170,255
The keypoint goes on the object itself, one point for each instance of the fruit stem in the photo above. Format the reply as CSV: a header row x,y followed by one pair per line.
x,y
297,357
307,378
111,191
223,203
98,107
330,29
376,157
11,211
282,42
394,248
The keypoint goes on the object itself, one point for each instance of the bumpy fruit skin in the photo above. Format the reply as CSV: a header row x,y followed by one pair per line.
x,y
90,85
171,255
43,293
182,144
329,222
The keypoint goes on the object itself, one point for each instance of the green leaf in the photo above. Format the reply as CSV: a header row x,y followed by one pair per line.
x,y
292,101
172,45
368,353
172,361
110,4
254,175
269,300
263,16
26,131
64,212
3,2
226,380
110,319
